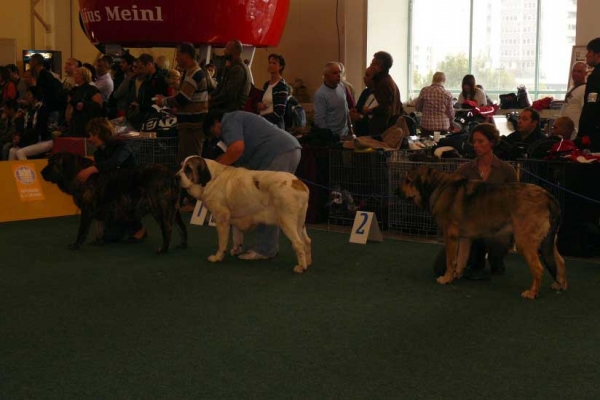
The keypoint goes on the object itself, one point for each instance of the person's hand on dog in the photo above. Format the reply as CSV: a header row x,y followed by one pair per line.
x,y
84,174
80,106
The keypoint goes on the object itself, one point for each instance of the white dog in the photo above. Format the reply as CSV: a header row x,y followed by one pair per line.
x,y
245,198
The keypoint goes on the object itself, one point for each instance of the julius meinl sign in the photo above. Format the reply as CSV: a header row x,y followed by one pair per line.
x,y
116,13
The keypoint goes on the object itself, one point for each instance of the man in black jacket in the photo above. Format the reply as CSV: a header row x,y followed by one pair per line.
x,y
233,91
528,128
55,98
142,91
589,122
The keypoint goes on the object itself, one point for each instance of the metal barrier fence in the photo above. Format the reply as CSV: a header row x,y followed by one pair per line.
x,y
155,151
404,216
372,179
363,174
547,174
367,177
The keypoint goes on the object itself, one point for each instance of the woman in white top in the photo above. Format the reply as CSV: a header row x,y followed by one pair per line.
x,y
471,92
275,93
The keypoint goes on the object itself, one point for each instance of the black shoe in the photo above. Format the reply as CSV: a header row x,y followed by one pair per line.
x,y
477,275
498,270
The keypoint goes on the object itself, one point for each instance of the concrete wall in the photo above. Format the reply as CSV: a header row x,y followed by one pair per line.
x,y
310,41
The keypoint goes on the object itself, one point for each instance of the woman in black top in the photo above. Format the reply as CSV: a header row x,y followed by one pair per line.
x,y
85,103
111,155
275,93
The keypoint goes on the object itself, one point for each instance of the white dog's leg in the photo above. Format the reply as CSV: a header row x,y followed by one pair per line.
x,y
238,241
291,231
307,245
223,234
464,248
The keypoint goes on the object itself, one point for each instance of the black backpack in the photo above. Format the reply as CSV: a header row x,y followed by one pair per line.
x,y
163,121
508,101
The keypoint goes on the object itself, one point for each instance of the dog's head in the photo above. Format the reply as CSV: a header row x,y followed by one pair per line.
x,y
418,185
194,174
63,167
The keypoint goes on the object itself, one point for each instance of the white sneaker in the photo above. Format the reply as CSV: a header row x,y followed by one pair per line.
x,y
252,255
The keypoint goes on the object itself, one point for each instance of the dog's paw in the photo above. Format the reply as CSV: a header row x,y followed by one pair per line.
x,y
442,280
74,246
215,258
529,294
236,250
299,269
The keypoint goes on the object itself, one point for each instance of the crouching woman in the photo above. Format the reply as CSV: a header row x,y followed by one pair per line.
x,y
112,154
488,168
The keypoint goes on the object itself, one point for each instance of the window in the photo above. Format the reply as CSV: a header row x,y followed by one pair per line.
x,y
522,42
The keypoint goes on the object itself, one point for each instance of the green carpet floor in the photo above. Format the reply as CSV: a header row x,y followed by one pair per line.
x,y
365,322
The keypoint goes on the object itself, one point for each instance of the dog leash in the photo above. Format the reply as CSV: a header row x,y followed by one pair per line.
x,y
330,189
560,187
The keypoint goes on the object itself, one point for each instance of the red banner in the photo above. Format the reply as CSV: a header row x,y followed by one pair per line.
x,y
151,23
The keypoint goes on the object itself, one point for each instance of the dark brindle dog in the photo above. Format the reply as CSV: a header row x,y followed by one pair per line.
x,y
119,195
466,209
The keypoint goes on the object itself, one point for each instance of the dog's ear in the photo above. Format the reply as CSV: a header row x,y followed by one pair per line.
x,y
202,173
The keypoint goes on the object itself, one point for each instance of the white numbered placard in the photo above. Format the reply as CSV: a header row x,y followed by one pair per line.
x,y
365,228
199,214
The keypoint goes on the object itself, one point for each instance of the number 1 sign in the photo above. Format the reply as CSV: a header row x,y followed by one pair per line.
x,y
365,228
199,215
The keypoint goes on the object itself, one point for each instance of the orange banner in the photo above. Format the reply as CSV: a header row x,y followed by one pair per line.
x,y
26,195
28,182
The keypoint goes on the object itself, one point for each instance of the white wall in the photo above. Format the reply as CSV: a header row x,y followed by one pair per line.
x,y
588,26
309,41
387,30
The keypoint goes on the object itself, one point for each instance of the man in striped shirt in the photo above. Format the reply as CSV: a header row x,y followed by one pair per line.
x,y
190,103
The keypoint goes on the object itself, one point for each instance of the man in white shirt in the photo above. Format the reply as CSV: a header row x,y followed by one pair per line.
x,y
331,108
104,82
576,94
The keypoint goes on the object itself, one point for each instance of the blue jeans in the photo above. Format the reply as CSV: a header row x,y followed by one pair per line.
x,y
267,236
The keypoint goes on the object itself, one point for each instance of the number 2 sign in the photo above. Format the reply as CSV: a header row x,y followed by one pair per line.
x,y
365,228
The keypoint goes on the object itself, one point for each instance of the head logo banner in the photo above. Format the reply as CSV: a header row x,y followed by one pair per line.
x,y
28,182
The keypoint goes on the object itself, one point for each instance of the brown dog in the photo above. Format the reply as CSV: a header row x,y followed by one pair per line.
x,y
119,195
466,209
244,198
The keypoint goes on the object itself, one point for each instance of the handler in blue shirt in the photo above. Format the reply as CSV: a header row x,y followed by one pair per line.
x,y
255,143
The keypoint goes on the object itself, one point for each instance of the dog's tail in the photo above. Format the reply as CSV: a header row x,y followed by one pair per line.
x,y
548,245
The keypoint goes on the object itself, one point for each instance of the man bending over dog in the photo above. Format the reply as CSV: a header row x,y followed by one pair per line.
x,y
255,143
